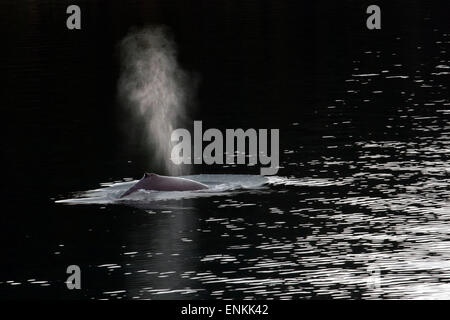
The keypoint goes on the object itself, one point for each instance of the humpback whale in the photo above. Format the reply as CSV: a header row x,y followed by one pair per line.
x,y
152,181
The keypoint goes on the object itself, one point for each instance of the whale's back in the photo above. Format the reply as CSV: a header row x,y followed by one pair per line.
x,y
152,181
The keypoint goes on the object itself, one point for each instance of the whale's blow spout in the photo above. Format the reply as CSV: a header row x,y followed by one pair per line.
x,y
152,181
155,92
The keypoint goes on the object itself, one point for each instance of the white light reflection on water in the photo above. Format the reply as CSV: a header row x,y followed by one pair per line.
x,y
359,213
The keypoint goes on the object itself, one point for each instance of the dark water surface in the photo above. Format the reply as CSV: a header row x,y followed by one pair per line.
x,y
359,208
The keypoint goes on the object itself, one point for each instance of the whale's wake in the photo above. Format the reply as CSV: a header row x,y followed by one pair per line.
x,y
218,184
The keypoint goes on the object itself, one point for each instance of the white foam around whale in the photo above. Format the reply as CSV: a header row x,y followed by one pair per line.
x,y
219,184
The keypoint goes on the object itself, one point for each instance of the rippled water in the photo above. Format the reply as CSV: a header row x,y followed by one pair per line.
x,y
371,222
359,208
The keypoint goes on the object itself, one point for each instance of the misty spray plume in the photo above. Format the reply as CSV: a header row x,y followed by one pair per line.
x,y
154,90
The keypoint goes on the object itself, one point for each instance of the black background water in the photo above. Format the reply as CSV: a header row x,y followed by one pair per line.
x,y
363,118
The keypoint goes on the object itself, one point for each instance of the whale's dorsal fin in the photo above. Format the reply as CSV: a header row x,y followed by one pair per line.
x,y
148,175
